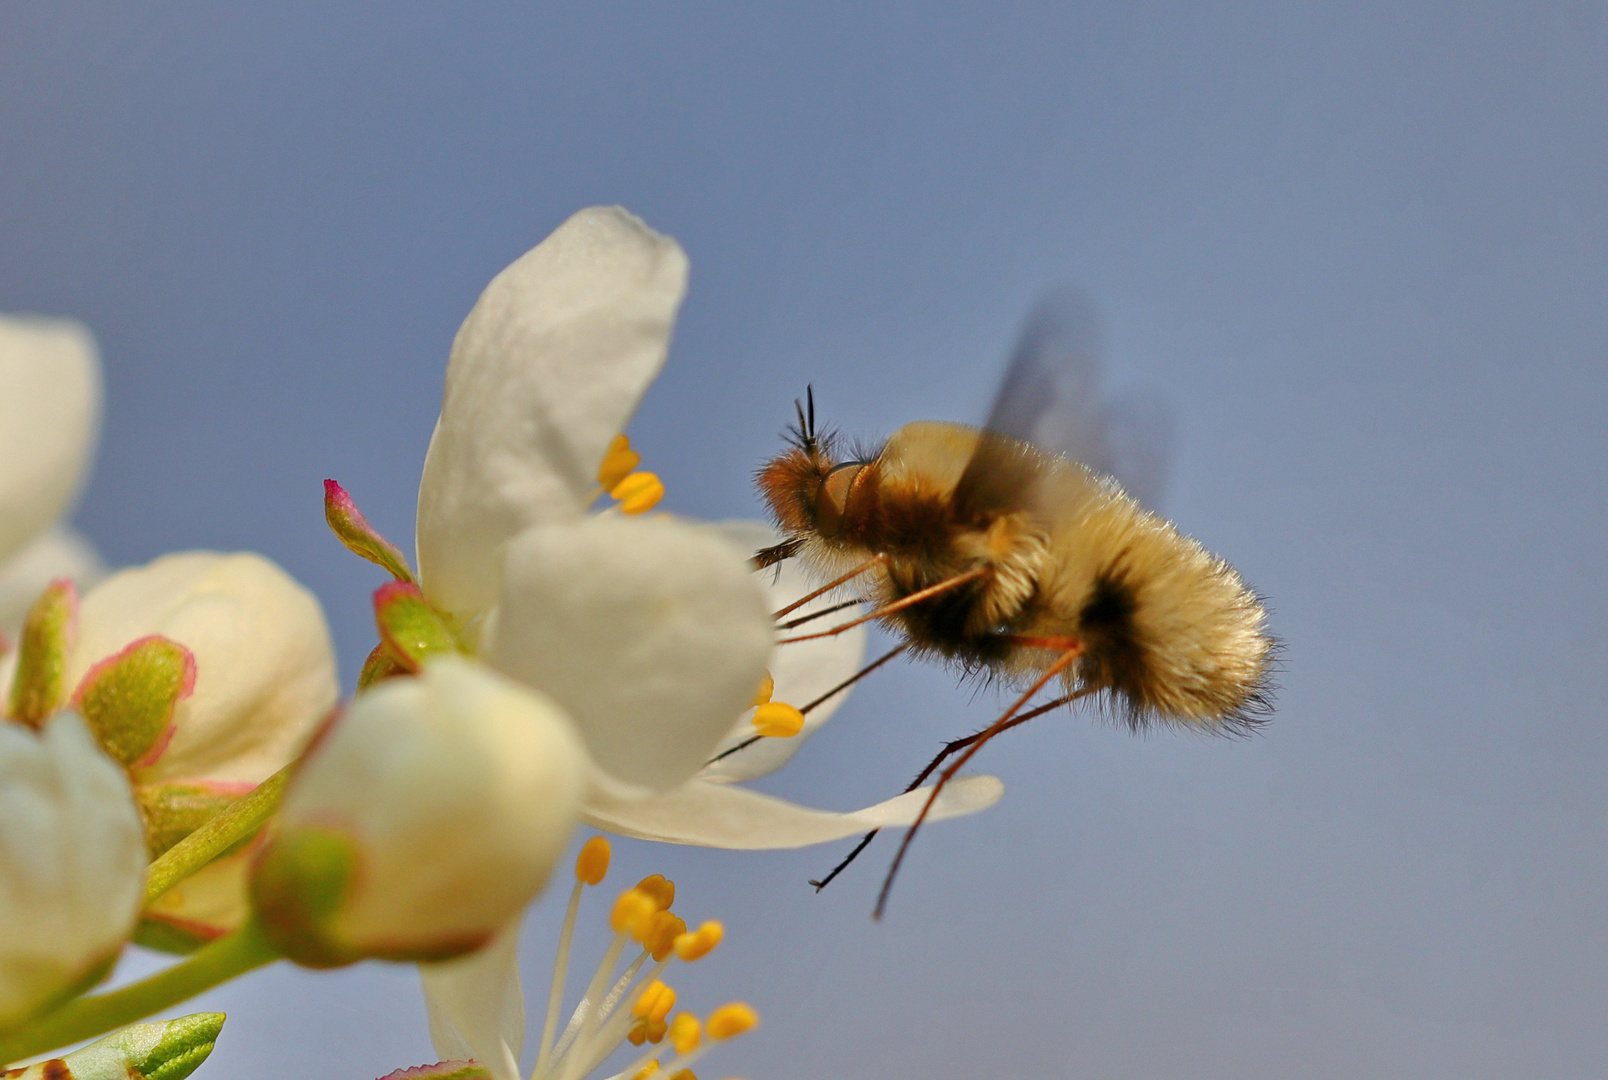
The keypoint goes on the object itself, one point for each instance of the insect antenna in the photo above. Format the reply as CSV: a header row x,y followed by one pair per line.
x,y
805,431
950,747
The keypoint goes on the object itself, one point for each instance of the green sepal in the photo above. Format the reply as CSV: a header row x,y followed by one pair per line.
x,y
129,698
159,935
173,811
170,1050
352,529
40,685
442,1070
381,664
410,628
297,887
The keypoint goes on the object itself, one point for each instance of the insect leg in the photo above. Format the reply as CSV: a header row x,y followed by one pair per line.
x,y
979,740
805,709
871,563
950,747
898,605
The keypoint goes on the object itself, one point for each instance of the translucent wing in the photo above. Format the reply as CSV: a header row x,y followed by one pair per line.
x,y
1053,398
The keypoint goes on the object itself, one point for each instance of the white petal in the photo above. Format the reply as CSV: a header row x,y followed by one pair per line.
x,y
545,371
477,1007
50,398
802,672
265,668
650,632
725,816
58,552
72,862
459,789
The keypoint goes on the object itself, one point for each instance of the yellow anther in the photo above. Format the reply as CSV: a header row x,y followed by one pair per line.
x,y
732,1019
617,463
631,913
778,720
700,942
658,888
685,1032
767,687
683,1074
655,1003
647,1070
593,862
638,493
663,930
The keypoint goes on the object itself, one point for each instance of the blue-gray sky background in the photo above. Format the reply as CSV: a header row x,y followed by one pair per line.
x,y
1363,248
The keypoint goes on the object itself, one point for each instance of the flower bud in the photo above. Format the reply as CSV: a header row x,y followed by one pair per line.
x,y
206,674
72,865
425,822
169,1050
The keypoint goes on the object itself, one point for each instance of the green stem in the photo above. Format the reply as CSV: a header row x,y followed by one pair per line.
x,y
87,1017
225,830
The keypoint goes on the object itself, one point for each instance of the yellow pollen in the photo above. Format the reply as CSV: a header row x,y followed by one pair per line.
x,y
700,943
778,720
684,1074
658,888
647,1031
617,463
655,1003
647,1070
631,913
663,929
685,1032
638,493
767,687
593,862
733,1019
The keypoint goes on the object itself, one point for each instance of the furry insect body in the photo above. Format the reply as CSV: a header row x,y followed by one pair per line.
x,y
1048,551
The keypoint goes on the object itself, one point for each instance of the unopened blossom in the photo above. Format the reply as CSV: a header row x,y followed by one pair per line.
x,y
424,823
72,865
257,676
627,1001
50,401
166,1050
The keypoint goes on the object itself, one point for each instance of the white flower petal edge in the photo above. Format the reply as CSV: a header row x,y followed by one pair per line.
x,y
265,666
50,400
801,672
476,1006
72,862
720,815
58,552
650,632
545,371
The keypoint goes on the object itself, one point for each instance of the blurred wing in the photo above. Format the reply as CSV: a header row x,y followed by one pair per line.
x,y
1139,428
1053,398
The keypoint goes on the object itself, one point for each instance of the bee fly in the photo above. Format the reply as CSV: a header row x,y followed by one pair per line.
x,y
1011,551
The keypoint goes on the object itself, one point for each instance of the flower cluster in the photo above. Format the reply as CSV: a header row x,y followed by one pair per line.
x,y
176,769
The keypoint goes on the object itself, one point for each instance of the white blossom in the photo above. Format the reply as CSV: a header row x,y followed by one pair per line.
x,y
72,864
50,401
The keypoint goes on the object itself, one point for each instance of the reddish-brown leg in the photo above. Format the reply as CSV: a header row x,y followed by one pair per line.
x,y
871,563
950,747
805,709
978,742
898,605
